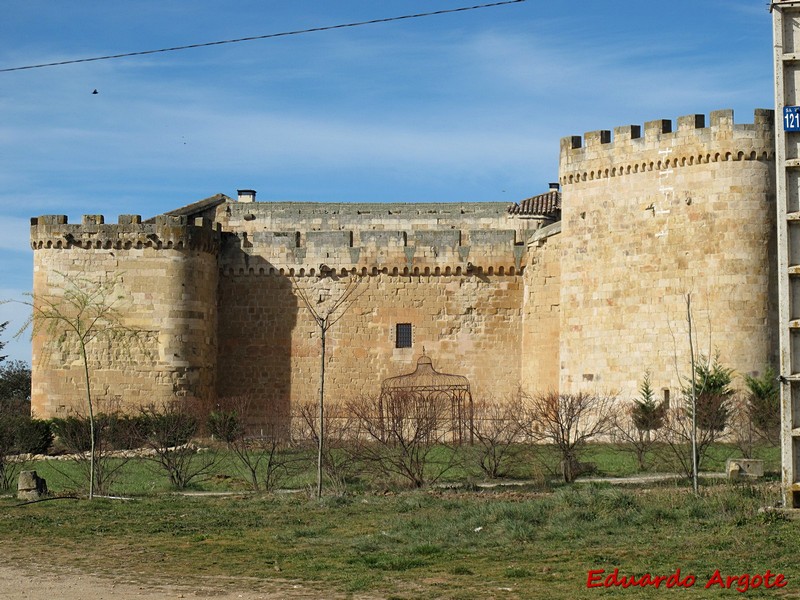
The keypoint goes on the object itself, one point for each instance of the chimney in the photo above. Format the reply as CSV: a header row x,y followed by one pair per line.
x,y
247,195
554,187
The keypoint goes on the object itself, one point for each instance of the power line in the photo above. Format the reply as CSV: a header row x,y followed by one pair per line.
x,y
262,37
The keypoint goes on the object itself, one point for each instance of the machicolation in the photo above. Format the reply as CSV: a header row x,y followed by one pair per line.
x,y
579,288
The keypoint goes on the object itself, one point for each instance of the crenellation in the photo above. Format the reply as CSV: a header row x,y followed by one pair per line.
x,y
653,130
690,144
691,122
722,118
586,303
54,231
627,133
596,138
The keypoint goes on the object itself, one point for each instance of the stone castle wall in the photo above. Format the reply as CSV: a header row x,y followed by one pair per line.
x,y
270,346
224,314
166,285
454,272
541,313
646,220
589,303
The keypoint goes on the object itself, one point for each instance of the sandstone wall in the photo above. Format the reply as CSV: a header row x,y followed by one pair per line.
x,y
648,219
166,285
541,316
270,346
451,271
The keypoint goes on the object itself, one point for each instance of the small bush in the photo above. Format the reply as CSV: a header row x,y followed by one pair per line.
x,y
764,404
224,425
33,436
73,433
112,431
167,431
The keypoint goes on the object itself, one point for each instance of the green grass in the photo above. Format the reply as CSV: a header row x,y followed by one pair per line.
x,y
140,477
422,544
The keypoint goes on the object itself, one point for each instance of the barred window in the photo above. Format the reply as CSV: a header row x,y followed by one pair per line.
x,y
403,336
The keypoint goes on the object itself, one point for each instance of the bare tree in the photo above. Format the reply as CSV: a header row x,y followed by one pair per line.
x,y
497,431
340,457
265,460
407,435
168,431
85,313
326,312
568,422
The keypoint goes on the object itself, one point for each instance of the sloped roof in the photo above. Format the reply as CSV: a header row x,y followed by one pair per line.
x,y
195,208
545,205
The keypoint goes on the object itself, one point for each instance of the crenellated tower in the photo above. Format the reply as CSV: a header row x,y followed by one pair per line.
x,y
166,272
653,214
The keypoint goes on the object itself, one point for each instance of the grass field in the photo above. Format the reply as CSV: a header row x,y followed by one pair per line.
x,y
142,478
532,542
422,544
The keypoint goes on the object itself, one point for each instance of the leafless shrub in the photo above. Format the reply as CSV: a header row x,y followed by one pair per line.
x,y
264,460
168,431
497,432
406,435
632,439
340,461
763,405
676,438
709,390
742,432
568,422
112,431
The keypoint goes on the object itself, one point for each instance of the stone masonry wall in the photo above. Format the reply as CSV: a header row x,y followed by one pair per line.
x,y
452,271
539,361
589,303
167,279
648,219
270,346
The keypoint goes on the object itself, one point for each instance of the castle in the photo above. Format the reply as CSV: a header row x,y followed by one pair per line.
x,y
580,288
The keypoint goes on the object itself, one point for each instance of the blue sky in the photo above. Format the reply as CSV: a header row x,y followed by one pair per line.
x,y
460,107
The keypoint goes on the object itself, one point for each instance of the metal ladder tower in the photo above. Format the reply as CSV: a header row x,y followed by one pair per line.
x,y
786,38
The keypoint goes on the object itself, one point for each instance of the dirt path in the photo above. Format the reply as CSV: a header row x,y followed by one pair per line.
x,y
42,583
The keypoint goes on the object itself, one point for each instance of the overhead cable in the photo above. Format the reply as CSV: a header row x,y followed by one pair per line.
x,y
261,37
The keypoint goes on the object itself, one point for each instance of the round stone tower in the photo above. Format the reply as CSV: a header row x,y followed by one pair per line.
x,y
651,218
163,279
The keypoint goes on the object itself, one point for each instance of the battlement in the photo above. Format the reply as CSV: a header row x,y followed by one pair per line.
x,y
663,145
167,232
432,251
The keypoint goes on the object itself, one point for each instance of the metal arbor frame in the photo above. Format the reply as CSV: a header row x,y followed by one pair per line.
x,y
426,388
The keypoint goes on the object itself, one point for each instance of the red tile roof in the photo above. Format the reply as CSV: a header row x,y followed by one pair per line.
x,y
546,205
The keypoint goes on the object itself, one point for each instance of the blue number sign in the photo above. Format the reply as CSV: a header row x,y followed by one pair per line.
x,y
791,118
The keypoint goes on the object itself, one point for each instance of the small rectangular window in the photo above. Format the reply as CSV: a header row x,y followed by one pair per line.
x,y
403,336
